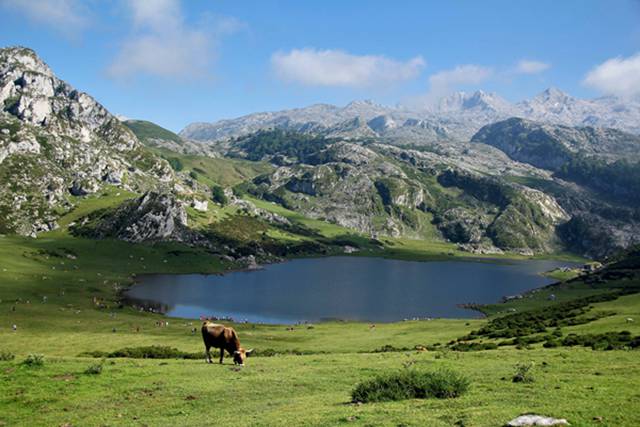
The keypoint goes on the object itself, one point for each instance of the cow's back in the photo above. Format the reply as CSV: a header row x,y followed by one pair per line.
x,y
220,336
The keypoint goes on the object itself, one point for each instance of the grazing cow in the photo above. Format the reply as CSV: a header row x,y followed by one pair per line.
x,y
224,338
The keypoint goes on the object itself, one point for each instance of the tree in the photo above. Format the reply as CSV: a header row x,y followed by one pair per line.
x,y
218,196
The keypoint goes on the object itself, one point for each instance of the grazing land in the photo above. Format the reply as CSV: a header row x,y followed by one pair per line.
x,y
303,376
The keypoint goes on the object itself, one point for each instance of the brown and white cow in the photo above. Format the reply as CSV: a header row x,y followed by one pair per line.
x,y
224,338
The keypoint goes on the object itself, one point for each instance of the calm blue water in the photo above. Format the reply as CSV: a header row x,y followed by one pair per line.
x,y
349,288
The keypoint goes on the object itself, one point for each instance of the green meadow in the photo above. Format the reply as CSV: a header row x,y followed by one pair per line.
x,y
62,294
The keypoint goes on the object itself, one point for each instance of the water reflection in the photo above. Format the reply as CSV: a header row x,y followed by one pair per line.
x,y
350,288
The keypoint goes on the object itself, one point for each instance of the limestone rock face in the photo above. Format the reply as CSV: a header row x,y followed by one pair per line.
x,y
57,143
550,146
152,217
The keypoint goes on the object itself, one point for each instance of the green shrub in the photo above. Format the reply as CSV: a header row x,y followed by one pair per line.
x,y
218,196
94,369
6,356
524,373
150,352
34,359
411,384
175,163
604,341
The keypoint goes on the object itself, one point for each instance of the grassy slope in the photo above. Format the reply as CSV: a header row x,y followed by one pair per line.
x,y
222,171
575,383
145,130
300,390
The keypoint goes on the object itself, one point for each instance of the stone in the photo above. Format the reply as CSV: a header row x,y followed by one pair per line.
x,y
200,205
536,420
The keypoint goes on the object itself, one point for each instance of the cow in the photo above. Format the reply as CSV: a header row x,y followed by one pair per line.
x,y
224,338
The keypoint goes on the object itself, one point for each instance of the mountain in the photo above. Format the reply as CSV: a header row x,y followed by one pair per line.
x,y
596,172
152,135
460,195
57,143
456,117
555,106
479,102
366,171
550,146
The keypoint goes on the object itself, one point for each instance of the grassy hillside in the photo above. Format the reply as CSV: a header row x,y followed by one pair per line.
x,y
209,170
307,382
308,389
145,131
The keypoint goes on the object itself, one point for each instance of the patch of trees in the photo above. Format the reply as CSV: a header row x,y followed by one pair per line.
x,y
218,196
267,143
619,180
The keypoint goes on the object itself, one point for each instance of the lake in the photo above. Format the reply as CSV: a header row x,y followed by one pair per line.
x,y
348,288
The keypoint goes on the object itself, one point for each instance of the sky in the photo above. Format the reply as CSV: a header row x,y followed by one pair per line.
x,y
175,62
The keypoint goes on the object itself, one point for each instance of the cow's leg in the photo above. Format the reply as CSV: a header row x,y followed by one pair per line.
x,y
207,354
221,354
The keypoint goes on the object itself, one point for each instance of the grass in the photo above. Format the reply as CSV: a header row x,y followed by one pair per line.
x,y
411,384
222,171
310,389
312,372
145,130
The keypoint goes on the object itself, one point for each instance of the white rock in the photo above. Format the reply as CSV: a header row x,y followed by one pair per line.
x,y
200,205
536,420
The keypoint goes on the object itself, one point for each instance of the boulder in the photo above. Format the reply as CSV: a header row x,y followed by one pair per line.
x,y
536,420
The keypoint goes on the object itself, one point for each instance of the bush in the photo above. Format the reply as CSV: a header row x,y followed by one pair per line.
x,y
175,163
218,196
150,352
6,356
34,359
411,384
524,373
94,369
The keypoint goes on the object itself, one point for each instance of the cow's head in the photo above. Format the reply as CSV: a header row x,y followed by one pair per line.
x,y
240,355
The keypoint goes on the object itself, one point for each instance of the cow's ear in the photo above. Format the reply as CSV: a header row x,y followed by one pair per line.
x,y
248,352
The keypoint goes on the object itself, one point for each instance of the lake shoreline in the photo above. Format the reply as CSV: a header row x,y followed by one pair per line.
x,y
234,292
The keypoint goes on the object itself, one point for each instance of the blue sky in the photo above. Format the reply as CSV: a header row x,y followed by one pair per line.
x,y
176,62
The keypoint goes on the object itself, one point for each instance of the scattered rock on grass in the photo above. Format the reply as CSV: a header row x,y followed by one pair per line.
x,y
536,420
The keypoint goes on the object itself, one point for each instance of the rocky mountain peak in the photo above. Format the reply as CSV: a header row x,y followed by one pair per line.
x,y
22,57
479,101
553,97
57,142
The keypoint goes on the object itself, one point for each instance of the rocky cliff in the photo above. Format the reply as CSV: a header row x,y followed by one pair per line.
x,y
57,143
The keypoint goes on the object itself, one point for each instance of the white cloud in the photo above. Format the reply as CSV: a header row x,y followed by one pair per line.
x,y
162,44
314,67
446,81
526,66
69,17
616,76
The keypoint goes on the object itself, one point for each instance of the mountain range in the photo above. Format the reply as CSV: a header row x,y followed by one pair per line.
x,y
470,173
456,117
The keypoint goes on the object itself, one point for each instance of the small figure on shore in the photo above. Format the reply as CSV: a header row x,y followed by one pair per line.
x,y
14,327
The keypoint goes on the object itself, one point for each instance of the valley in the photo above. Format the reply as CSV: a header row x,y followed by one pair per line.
x,y
90,201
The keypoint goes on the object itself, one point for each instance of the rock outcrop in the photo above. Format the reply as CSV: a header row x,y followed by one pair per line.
x,y
152,217
57,143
